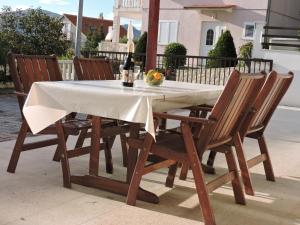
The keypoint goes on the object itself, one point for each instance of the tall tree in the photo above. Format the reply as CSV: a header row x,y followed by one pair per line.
x,y
42,34
32,32
93,39
101,34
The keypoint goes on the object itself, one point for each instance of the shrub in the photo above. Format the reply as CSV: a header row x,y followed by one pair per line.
x,y
70,53
176,49
224,48
123,39
140,50
246,50
245,53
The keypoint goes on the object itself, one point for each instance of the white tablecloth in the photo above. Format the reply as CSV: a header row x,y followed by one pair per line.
x,y
48,102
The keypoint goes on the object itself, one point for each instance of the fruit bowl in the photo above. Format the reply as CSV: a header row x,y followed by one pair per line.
x,y
154,78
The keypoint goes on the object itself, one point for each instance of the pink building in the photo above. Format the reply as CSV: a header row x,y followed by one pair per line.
x,y
198,23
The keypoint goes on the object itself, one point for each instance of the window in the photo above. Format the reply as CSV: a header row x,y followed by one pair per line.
x,y
249,31
210,37
167,32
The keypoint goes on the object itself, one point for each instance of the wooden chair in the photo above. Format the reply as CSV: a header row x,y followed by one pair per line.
x,y
100,69
216,133
25,70
255,125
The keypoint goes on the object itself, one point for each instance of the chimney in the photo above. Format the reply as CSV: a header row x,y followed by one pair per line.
x,y
101,16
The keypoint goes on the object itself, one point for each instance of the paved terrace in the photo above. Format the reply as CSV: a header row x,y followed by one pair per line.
x,y
35,196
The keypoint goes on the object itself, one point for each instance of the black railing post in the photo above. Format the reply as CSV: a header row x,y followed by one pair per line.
x,y
271,66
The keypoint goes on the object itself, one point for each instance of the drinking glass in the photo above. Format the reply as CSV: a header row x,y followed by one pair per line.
x,y
136,72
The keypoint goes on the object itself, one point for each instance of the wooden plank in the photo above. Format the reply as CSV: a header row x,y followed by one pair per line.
x,y
39,144
221,180
82,151
44,71
156,166
256,160
95,143
114,186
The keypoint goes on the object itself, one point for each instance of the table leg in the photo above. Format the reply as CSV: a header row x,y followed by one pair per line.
x,y
132,153
107,184
95,143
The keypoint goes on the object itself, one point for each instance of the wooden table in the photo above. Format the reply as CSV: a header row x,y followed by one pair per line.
x,y
54,100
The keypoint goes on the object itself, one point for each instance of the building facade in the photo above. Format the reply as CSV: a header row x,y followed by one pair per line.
x,y
88,24
198,23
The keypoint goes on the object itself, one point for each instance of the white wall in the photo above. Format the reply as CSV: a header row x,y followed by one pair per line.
x,y
285,61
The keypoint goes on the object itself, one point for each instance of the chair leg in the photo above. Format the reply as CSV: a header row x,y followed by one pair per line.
x,y
138,171
195,163
203,197
267,163
18,148
64,156
136,177
81,138
243,166
184,171
211,158
171,175
107,151
236,183
124,149
56,156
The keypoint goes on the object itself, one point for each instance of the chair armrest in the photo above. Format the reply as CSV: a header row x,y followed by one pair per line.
x,y
18,93
187,119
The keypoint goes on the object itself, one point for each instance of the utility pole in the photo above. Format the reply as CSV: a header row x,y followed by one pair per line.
x,y
78,29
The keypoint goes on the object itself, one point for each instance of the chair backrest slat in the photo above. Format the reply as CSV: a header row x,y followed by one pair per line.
x,y
267,101
230,110
93,69
44,70
27,69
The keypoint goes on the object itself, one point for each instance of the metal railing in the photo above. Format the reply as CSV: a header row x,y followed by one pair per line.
x,y
130,3
195,69
282,40
4,74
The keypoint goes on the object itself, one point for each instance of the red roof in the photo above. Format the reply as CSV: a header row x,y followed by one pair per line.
x,y
89,23
209,6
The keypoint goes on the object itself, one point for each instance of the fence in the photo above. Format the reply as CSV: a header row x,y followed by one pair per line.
x,y
67,69
4,74
195,69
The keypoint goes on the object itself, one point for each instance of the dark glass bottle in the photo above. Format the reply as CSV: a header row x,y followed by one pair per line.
x,y
126,69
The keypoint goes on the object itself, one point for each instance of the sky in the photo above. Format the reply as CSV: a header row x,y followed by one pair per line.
x,y
92,8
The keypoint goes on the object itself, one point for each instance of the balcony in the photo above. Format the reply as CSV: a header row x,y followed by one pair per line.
x,y
130,9
130,4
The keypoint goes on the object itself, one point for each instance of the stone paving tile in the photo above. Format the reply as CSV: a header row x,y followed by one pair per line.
x,y
9,117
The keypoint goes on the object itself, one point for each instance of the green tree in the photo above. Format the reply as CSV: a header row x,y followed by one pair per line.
x,y
123,39
140,50
224,48
42,34
102,34
93,40
9,36
32,33
10,39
